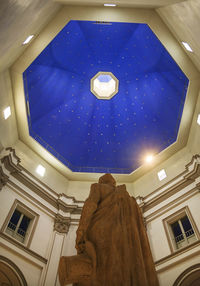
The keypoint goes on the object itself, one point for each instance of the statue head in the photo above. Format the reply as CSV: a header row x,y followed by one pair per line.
x,y
107,179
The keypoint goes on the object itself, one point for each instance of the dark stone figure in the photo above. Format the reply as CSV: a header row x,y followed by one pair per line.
x,y
112,243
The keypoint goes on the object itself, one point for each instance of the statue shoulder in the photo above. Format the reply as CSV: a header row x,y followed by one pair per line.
x,y
94,193
121,189
95,187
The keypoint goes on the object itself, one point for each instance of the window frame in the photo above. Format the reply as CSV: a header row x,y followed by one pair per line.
x,y
177,216
24,210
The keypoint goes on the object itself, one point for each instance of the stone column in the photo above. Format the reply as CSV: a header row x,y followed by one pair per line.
x,y
61,227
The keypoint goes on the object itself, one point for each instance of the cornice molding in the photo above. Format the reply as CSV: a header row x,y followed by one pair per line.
x,y
13,173
3,178
184,179
176,254
22,247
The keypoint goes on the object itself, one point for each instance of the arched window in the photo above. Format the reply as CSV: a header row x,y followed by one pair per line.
x,y
10,274
191,276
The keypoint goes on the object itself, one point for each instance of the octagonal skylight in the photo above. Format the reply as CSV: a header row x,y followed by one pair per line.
x,y
104,85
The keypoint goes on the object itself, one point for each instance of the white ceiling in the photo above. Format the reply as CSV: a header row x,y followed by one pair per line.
x,y
122,3
19,18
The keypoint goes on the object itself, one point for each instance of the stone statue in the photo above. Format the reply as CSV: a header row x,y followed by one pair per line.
x,y
112,243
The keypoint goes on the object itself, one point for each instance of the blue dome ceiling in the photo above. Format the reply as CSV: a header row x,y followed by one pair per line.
x,y
88,134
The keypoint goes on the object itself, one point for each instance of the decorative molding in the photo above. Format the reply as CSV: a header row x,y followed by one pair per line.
x,y
9,164
166,194
61,224
11,150
74,209
22,247
186,178
172,204
177,253
3,178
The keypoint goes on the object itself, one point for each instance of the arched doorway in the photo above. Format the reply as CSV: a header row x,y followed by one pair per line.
x,y
190,277
10,274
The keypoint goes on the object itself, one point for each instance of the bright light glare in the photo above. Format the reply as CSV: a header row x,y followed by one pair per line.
x,y
110,5
7,112
162,175
188,48
198,119
40,170
28,39
149,158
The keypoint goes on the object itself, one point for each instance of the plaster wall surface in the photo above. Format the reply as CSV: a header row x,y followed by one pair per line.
x,y
81,190
193,140
30,160
42,235
44,227
8,128
172,166
156,232
8,201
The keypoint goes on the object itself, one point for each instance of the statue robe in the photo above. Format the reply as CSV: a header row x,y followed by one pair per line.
x,y
118,234
115,241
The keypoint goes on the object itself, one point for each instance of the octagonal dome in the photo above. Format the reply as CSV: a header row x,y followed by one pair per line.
x,y
92,135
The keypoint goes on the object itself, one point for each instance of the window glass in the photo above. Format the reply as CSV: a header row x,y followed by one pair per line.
x,y
176,229
23,225
14,220
187,226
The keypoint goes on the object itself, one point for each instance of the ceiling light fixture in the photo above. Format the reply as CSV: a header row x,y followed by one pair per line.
x,y
40,170
198,119
186,45
149,158
28,39
162,175
7,112
110,5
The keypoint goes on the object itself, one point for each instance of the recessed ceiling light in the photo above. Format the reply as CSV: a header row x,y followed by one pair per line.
x,y
109,5
28,39
40,170
7,112
162,175
198,119
149,158
186,45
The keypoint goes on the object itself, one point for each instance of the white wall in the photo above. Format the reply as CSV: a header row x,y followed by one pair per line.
x,y
8,127
30,160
